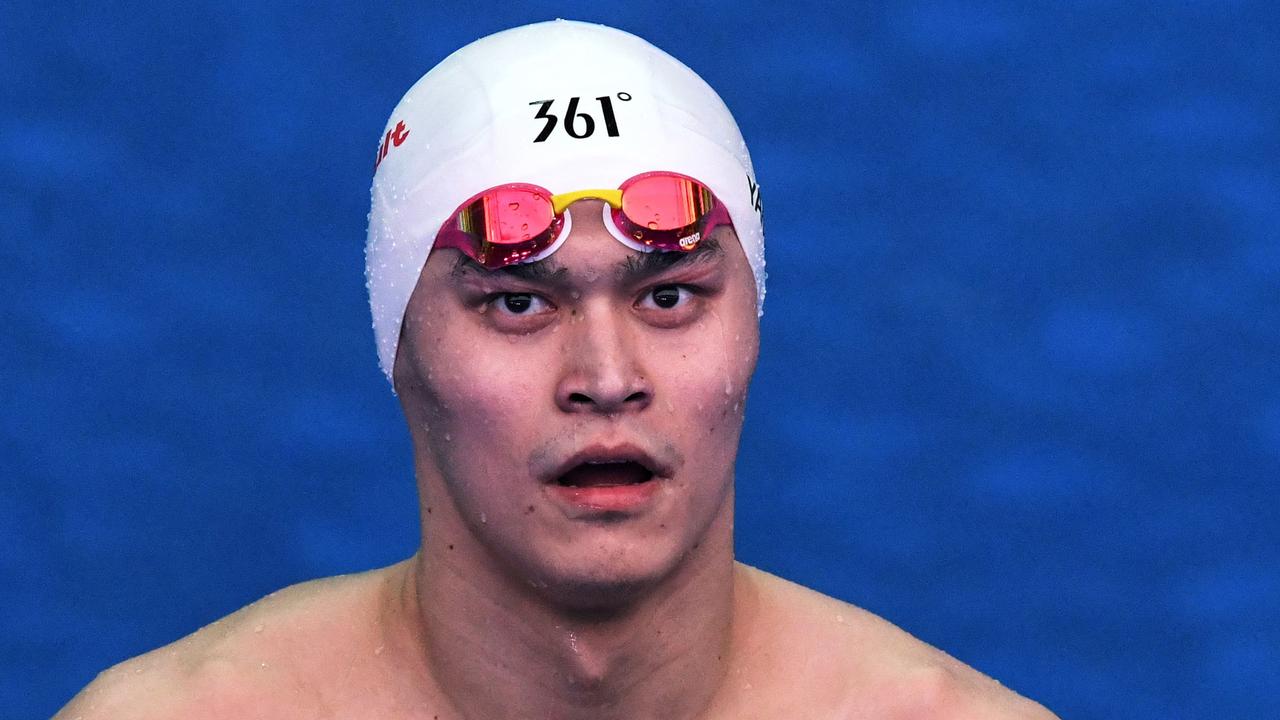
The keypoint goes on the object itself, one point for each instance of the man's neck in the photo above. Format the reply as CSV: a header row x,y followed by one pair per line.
x,y
500,651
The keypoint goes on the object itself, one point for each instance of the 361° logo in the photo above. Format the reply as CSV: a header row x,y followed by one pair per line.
x,y
577,124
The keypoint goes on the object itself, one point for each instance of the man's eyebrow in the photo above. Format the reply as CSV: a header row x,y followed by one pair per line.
x,y
634,269
547,270
639,267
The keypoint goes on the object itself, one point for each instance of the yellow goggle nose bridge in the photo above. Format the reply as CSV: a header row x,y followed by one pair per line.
x,y
564,200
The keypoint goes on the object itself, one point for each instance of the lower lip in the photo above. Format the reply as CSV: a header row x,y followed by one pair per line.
x,y
615,498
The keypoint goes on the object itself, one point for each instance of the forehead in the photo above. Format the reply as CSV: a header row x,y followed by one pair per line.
x,y
625,265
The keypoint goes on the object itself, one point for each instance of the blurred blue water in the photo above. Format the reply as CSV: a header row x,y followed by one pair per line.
x,y
1028,254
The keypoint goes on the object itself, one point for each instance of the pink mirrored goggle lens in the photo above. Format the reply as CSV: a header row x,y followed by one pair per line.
x,y
664,210
510,223
507,216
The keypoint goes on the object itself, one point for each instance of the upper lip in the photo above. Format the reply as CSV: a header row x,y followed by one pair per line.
x,y
608,454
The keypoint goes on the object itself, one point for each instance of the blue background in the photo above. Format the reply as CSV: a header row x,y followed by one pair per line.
x,y
1018,390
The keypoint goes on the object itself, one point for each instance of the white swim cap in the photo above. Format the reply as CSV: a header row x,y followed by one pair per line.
x,y
561,104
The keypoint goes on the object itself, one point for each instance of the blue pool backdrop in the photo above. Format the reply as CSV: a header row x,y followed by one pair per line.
x,y
1018,392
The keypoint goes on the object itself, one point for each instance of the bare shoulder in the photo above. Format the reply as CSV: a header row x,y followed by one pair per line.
x,y
240,665
865,666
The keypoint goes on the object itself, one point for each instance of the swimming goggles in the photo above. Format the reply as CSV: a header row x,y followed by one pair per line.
x,y
519,222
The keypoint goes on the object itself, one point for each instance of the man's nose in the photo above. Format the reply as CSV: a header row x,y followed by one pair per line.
x,y
603,371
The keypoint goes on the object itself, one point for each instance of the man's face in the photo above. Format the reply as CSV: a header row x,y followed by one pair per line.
x,y
579,416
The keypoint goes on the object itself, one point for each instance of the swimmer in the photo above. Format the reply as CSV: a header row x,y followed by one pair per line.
x,y
566,268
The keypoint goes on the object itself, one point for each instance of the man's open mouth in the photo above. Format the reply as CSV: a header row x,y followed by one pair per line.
x,y
605,474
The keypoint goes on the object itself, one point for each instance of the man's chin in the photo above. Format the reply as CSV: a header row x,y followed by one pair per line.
x,y
601,587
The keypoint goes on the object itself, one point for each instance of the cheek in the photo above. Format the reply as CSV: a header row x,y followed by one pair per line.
x,y
486,404
721,353
481,403
707,387
479,440
469,376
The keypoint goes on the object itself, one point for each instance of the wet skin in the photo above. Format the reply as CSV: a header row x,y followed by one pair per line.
x,y
509,378
530,599
506,377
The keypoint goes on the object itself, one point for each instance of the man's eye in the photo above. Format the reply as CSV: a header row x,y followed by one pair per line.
x,y
667,297
519,303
